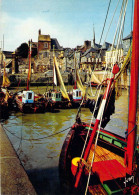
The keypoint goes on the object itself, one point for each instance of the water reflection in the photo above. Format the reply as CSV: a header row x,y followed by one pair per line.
x,y
40,154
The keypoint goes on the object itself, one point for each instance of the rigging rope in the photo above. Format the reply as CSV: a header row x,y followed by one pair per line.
x,y
106,98
105,21
96,141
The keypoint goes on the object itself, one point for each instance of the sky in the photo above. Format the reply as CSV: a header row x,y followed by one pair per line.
x,y
70,21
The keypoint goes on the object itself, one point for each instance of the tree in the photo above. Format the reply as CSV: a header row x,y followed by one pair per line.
x,y
23,50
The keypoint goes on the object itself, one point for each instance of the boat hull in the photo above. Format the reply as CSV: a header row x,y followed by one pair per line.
x,y
37,107
111,146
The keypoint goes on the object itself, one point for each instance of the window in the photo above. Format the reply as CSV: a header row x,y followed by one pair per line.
x,y
79,93
45,45
29,96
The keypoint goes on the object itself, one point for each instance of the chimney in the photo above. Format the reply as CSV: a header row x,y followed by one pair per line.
x,y
39,31
87,44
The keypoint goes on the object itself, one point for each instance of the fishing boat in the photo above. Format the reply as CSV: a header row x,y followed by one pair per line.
x,y
78,92
97,161
4,111
6,97
57,98
27,101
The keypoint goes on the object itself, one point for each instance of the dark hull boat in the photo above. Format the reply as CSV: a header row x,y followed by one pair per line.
x,y
4,111
96,161
28,102
6,98
57,99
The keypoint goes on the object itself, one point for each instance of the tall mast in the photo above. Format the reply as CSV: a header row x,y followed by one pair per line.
x,y
3,42
133,91
29,71
93,36
54,70
75,83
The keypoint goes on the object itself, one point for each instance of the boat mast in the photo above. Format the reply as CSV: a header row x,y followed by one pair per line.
x,y
131,134
29,71
54,70
75,83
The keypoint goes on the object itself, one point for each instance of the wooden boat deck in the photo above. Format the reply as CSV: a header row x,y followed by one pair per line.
x,y
105,163
103,154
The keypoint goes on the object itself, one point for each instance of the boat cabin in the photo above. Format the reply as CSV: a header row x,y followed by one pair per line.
x,y
28,97
77,94
54,95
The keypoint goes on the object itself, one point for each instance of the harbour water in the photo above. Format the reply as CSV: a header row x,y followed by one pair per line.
x,y
38,143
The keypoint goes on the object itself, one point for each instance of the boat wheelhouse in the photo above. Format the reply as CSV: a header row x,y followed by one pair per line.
x,y
27,97
77,95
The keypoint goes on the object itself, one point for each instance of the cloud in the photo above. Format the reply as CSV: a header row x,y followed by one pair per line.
x,y
17,31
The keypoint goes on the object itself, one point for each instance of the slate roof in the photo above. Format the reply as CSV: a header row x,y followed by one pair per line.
x,y
55,42
106,45
119,47
89,50
128,37
109,49
97,46
8,54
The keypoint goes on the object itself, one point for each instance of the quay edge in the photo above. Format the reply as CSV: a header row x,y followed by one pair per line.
x,y
14,179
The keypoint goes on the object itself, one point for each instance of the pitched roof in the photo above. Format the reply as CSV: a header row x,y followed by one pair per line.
x,y
8,54
106,45
96,46
89,50
128,37
120,46
55,42
44,38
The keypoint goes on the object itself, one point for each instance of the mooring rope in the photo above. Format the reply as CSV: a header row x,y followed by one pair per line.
x,y
36,138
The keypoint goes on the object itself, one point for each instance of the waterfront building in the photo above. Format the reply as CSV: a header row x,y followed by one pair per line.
x,y
120,53
89,58
126,43
114,55
46,47
103,50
